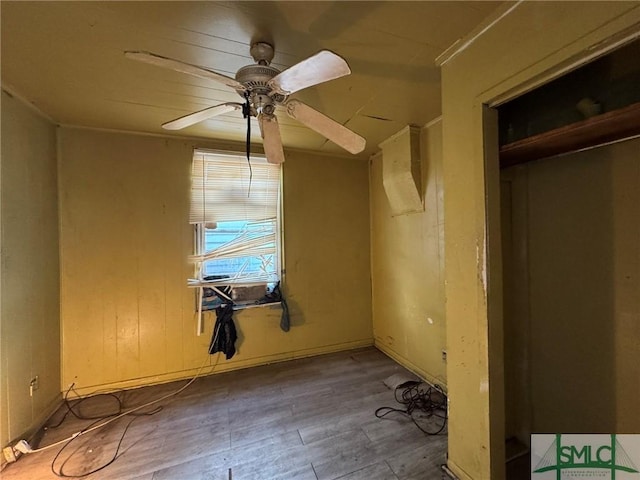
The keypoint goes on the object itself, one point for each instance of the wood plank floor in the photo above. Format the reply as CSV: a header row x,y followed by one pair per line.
x,y
304,419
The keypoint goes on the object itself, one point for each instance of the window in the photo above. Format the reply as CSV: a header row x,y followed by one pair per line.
x,y
235,210
241,251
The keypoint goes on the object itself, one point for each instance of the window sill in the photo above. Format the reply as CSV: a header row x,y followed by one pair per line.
x,y
193,283
240,306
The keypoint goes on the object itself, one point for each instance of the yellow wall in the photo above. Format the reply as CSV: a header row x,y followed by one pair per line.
x,y
407,268
582,239
30,327
127,316
532,42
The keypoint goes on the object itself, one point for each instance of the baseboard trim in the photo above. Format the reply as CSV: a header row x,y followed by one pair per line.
x,y
457,472
220,367
35,430
449,473
410,366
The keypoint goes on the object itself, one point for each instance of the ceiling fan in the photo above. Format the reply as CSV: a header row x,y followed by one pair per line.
x,y
264,87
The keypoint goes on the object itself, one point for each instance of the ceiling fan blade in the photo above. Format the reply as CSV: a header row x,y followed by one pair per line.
x,y
178,66
272,142
321,67
192,118
338,134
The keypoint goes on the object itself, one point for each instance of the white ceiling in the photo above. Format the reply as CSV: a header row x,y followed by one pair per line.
x,y
67,59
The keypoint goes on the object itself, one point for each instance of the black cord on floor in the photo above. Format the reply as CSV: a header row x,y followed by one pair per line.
x,y
418,398
75,404
106,419
60,473
71,405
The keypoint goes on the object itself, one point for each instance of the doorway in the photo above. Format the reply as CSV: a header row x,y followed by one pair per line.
x,y
570,248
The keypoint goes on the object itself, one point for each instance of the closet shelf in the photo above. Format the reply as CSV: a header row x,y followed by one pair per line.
x,y
601,129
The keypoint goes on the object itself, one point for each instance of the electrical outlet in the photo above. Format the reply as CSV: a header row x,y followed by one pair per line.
x,y
9,454
34,385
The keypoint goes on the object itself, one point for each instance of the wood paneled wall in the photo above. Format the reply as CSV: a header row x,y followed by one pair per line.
x,y
127,316
407,259
30,326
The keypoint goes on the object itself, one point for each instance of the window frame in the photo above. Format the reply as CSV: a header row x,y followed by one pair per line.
x,y
199,230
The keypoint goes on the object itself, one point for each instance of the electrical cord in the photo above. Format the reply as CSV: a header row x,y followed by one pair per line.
x,y
109,419
60,472
102,421
431,401
246,110
79,400
127,412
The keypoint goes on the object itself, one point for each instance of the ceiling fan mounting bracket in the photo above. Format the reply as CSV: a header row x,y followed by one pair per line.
x,y
262,52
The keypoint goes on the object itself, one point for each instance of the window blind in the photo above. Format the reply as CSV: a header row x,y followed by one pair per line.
x,y
236,225
220,188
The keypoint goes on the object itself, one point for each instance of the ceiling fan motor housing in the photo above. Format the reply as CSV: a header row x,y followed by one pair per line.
x,y
255,79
